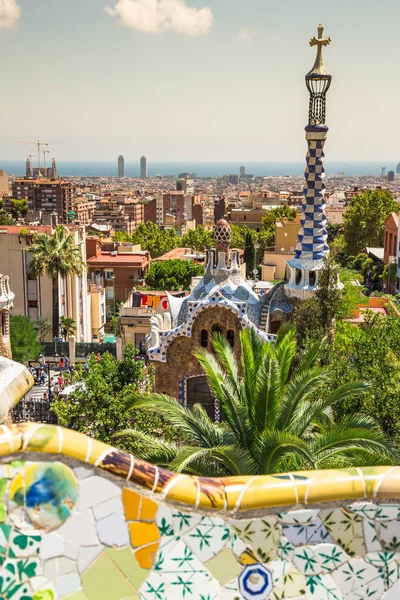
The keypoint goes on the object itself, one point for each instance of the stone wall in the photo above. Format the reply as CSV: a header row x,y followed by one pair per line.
x,y
80,520
180,360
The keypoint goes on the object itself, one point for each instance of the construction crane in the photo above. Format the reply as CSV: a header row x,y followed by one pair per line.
x,y
38,144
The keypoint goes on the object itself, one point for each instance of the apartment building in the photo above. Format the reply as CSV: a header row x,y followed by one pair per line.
x,y
117,270
46,195
33,296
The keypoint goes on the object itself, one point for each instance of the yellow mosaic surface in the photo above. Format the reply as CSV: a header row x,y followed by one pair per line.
x,y
231,494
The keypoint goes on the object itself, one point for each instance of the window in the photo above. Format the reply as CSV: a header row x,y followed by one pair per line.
x,y
230,336
140,341
109,275
312,278
298,276
204,338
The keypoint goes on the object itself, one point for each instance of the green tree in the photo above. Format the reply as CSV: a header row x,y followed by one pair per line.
x,y
43,328
24,341
198,239
56,255
172,274
364,220
313,317
155,240
239,234
98,406
19,208
274,416
249,256
370,352
5,219
67,327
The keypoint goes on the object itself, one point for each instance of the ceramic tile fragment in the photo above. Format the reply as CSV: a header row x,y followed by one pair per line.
x,y
347,529
52,546
313,532
305,559
109,507
95,490
261,535
86,555
83,472
80,529
68,584
42,496
223,567
126,561
359,579
113,530
96,581
372,542
389,535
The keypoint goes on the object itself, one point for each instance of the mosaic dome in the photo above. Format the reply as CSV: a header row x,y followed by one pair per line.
x,y
222,233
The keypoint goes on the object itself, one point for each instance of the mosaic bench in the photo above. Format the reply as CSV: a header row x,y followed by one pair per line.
x,y
80,520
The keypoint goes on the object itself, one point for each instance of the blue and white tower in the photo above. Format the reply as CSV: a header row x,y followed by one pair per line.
x,y
312,244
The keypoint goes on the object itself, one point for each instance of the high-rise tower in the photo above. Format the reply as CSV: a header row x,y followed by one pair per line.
x,y
143,167
312,243
121,166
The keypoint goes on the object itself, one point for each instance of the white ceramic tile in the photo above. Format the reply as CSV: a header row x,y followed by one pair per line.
x,y
108,508
95,490
82,472
113,530
358,579
79,529
69,584
330,556
298,516
52,546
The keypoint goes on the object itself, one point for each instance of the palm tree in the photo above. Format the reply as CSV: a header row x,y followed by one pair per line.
x,y
55,255
276,416
67,327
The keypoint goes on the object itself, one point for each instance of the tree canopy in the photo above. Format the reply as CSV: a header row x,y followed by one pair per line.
x,y
198,239
98,407
24,340
364,220
19,208
149,235
172,274
275,416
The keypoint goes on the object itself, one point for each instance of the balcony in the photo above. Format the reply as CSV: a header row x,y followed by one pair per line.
x,y
137,311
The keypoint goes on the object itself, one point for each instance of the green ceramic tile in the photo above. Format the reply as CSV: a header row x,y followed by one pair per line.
x,y
104,581
125,560
223,566
77,596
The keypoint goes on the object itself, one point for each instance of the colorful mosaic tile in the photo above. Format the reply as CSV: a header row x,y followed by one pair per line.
x,y
102,530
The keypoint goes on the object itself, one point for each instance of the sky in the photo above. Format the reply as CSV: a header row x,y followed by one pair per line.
x,y
196,80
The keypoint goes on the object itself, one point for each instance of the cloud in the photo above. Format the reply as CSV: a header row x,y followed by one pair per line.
x,y
246,35
155,16
9,14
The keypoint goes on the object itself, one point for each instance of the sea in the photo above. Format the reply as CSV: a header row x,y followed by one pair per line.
x,y
201,169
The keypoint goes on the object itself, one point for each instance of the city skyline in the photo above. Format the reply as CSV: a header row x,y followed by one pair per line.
x,y
210,85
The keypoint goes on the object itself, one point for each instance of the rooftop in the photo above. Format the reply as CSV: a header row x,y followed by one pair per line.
x,y
108,258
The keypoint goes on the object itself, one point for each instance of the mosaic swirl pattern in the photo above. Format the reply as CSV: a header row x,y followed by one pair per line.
x,y
108,527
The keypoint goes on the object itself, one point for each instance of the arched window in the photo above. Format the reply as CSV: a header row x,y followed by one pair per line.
x,y
204,338
216,328
298,276
230,336
312,278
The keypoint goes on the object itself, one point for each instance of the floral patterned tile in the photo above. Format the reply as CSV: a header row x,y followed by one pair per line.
x,y
389,535
314,532
358,579
372,542
347,530
330,556
207,538
306,561
322,587
261,535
